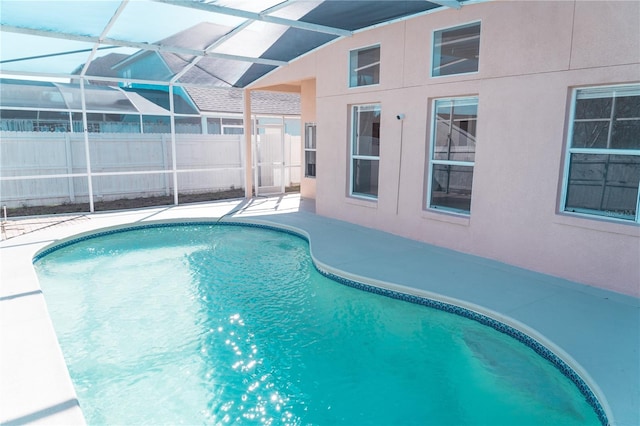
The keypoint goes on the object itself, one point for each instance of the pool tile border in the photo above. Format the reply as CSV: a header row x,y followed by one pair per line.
x,y
527,340
540,349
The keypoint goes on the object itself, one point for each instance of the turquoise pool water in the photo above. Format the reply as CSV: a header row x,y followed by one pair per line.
x,y
206,324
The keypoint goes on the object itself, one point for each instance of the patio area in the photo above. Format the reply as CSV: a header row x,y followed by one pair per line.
x,y
596,332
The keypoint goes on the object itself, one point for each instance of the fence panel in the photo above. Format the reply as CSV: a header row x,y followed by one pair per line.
x,y
125,166
121,153
201,151
34,154
40,154
118,164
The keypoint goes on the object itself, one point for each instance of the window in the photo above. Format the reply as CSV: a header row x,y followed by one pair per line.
x,y
452,157
310,150
365,150
213,126
155,124
188,125
364,66
34,121
456,50
126,75
602,173
232,126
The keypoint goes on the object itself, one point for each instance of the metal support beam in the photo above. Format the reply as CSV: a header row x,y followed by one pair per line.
x,y
87,147
212,46
174,150
62,76
208,7
104,33
248,148
137,45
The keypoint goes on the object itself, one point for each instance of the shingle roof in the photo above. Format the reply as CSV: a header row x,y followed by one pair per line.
x,y
103,66
230,100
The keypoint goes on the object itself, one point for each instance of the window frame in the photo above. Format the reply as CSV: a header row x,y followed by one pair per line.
x,y
232,126
569,150
353,70
310,140
431,161
372,158
434,49
126,75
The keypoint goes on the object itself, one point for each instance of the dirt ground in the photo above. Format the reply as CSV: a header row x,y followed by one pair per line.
x,y
130,203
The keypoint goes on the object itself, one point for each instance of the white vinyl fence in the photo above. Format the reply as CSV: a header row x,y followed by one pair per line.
x,y
51,168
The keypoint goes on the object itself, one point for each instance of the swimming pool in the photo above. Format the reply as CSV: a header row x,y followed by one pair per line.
x,y
219,324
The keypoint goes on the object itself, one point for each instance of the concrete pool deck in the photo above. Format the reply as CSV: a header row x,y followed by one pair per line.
x,y
596,332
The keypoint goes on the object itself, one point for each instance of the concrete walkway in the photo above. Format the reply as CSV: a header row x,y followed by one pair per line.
x,y
596,332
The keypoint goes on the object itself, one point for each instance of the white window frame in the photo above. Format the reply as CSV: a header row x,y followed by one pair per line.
x,y
354,70
126,75
432,161
435,50
589,213
231,129
309,146
355,109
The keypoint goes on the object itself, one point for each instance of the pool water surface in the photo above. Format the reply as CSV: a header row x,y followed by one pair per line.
x,y
205,324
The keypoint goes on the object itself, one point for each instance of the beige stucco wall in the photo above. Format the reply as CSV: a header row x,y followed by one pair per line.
x,y
308,115
531,56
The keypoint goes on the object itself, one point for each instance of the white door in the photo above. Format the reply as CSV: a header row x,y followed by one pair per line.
x,y
269,154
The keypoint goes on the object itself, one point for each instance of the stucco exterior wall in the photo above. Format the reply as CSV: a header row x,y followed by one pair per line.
x,y
532,54
308,115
